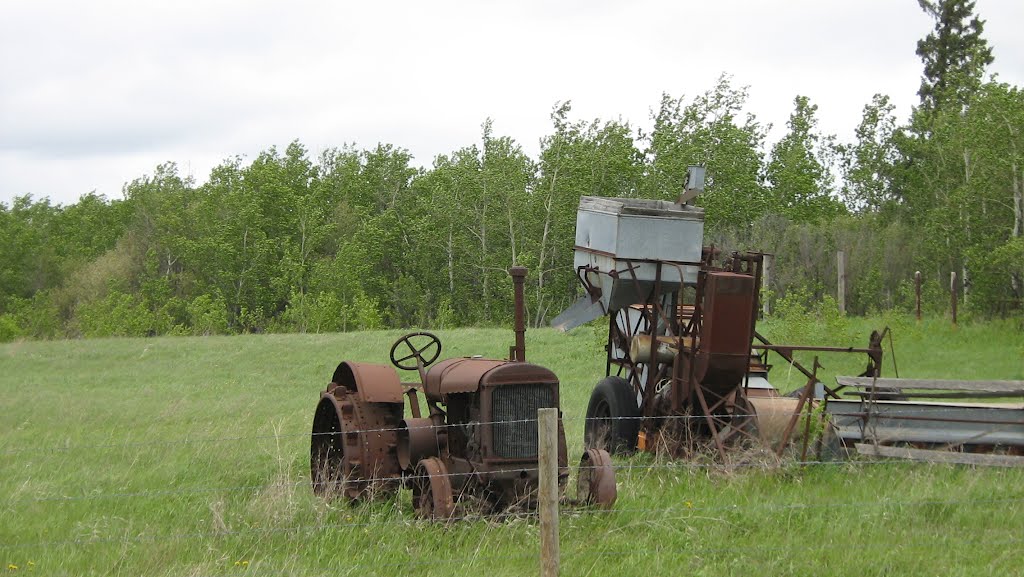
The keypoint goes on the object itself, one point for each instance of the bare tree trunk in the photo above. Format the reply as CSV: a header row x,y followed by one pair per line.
x,y
511,230
1016,282
451,265
241,274
548,204
483,270
1018,222
967,222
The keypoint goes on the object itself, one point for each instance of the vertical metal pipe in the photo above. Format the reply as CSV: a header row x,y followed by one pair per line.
x,y
518,274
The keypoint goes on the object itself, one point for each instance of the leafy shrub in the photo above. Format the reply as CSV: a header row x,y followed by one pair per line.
x,y
97,318
9,329
207,315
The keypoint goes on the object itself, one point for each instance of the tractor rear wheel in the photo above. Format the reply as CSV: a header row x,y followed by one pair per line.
x,y
613,417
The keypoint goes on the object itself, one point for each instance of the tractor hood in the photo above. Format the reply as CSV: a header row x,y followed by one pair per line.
x,y
467,375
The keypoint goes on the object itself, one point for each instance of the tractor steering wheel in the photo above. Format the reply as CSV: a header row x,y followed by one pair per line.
x,y
417,352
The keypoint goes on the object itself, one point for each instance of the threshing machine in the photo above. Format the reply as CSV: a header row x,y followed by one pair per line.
x,y
478,439
684,361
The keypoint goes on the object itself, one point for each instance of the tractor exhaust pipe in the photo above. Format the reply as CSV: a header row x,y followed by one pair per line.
x,y
518,352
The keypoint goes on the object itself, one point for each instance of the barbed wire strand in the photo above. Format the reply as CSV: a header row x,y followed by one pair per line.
x,y
571,555
776,464
504,515
45,450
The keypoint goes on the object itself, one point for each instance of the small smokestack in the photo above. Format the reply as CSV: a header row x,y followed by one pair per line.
x,y
518,352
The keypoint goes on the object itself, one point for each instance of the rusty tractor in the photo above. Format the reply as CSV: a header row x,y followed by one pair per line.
x,y
477,442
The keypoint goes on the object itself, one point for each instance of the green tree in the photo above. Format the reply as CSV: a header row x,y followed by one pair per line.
x,y
799,171
954,54
869,163
711,131
578,159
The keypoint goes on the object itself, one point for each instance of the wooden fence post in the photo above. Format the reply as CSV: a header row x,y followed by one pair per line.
x,y
547,432
766,283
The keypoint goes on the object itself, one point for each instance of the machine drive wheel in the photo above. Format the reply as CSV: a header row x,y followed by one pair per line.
x,y
612,417
432,491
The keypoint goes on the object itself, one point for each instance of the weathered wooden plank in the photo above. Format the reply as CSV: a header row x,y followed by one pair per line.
x,y
903,394
1010,387
933,456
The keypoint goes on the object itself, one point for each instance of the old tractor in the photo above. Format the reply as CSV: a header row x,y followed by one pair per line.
x,y
684,362
477,442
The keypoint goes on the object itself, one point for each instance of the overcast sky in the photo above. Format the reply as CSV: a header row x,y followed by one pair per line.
x,y
95,94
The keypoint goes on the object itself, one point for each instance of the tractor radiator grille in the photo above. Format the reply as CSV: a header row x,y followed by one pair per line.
x,y
519,404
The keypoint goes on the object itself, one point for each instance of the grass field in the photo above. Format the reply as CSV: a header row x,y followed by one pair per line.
x,y
189,456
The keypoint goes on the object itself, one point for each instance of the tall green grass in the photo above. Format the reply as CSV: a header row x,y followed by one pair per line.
x,y
189,456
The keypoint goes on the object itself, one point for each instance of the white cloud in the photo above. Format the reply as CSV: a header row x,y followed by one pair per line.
x,y
95,94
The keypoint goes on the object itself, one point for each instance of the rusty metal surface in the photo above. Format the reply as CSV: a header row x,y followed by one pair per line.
x,y
419,439
518,274
432,496
596,482
458,375
724,352
466,375
373,383
513,373
354,445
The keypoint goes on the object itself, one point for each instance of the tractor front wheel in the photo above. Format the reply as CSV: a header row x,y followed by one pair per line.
x,y
432,491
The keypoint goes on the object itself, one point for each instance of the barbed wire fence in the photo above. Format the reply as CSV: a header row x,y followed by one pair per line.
x,y
672,513
9,450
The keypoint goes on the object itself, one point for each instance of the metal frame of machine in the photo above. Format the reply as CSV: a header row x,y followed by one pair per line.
x,y
681,331
686,365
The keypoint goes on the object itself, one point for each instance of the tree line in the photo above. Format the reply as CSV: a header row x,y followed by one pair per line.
x,y
355,239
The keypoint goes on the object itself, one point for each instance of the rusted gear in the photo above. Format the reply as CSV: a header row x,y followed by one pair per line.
x,y
596,482
354,445
432,491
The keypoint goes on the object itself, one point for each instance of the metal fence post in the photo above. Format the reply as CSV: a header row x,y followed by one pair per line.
x,y
547,432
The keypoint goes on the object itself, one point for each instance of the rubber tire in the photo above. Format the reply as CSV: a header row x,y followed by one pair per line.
x,y
612,417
